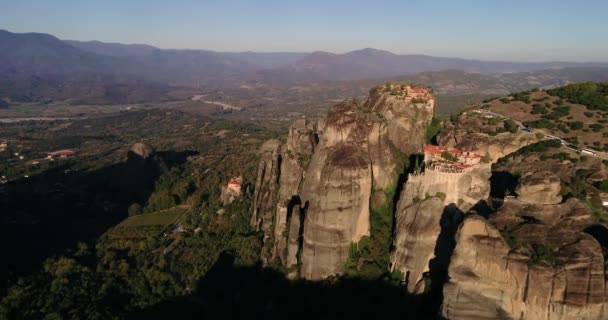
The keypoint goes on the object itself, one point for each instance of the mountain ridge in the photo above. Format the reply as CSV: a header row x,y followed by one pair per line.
x,y
195,64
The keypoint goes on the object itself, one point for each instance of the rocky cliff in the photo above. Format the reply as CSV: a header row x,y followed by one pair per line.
x,y
278,183
328,171
517,233
535,258
431,202
265,190
484,134
356,154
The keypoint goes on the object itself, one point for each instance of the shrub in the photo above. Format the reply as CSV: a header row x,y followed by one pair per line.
x,y
541,253
538,108
596,127
441,195
486,158
575,125
433,129
594,95
588,114
510,126
602,185
448,156
505,100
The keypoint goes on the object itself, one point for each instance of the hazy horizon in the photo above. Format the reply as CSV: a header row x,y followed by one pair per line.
x,y
480,30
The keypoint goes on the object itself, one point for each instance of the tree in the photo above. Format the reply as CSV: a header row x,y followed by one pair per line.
x,y
448,156
510,126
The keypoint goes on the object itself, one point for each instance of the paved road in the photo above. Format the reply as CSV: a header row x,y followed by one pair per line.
x,y
564,143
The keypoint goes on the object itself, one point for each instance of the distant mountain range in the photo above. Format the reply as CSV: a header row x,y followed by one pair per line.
x,y
28,60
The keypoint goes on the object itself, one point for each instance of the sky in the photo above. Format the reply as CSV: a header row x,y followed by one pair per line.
x,y
514,30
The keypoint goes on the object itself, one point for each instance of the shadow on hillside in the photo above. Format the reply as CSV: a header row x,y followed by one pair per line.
x,y
229,292
50,212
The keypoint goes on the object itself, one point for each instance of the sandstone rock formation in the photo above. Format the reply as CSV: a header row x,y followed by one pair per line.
x,y
490,280
353,157
541,187
474,132
278,183
295,155
266,186
327,173
406,123
143,150
422,205
529,261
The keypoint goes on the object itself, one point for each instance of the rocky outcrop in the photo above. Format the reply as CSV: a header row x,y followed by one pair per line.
x,y
356,153
476,133
266,187
295,155
562,278
278,183
422,205
327,173
538,256
142,150
541,187
406,123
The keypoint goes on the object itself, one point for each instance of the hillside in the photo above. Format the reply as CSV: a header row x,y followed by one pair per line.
x,y
45,54
577,113
35,54
373,63
42,68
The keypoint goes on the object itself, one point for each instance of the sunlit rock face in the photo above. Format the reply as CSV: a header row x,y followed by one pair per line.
x,y
431,203
313,192
491,280
542,187
473,131
535,258
355,155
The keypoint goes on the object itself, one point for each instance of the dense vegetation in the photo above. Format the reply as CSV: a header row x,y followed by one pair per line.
x,y
594,95
68,253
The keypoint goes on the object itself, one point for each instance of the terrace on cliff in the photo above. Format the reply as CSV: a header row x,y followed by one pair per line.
x,y
451,160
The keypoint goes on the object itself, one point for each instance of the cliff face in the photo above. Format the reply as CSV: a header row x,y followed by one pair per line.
x,y
430,203
297,151
490,280
279,179
266,185
327,173
354,157
535,258
337,188
406,124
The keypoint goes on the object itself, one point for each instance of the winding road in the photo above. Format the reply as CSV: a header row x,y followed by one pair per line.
x,y
564,143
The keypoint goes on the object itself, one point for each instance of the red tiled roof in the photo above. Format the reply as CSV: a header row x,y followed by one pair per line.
x,y
439,149
418,90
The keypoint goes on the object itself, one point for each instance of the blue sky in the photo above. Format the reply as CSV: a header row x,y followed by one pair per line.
x,y
533,30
